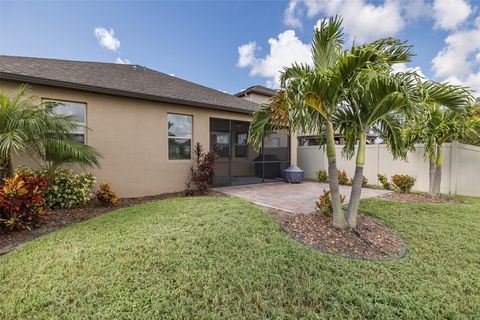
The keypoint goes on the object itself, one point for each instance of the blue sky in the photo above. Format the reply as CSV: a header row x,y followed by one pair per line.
x,y
230,45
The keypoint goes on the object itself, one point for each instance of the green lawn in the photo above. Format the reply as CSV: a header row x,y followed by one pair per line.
x,y
224,258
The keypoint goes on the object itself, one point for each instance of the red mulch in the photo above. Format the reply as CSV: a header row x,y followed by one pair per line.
x,y
57,219
371,240
421,198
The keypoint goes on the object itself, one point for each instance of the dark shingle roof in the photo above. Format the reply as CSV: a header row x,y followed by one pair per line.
x,y
257,89
119,79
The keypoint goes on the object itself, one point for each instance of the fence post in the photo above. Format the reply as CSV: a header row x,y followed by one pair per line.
x,y
453,167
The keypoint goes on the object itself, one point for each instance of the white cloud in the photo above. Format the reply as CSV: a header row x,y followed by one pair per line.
x,y
122,61
362,21
290,16
246,54
459,61
457,57
402,67
285,49
473,81
106,38
449,14
415,9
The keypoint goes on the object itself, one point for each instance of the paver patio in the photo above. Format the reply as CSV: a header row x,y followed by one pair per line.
x,y
296,198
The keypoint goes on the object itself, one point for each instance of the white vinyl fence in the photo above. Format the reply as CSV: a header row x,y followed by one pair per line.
x,y
460,170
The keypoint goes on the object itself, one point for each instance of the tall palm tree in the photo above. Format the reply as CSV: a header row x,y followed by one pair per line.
x,y
446,115
307,99
34,128
376,101
311,95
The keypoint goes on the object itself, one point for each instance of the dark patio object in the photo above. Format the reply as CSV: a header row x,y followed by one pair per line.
x,y
293,174
272,166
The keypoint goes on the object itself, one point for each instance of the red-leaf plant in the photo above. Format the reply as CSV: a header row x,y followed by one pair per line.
x,y
22,200
202,170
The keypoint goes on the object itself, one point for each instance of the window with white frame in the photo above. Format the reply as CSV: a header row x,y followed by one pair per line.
x,y
179,136
76,109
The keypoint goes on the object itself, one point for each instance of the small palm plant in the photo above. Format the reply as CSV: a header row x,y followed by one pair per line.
x,y
33,128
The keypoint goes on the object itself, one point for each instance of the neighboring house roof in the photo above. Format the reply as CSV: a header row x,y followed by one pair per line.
x,y
264,91
119,79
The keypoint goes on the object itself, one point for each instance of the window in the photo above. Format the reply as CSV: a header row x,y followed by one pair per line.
x,y
241,145
222,142
275,142
179,136
240,134
76,109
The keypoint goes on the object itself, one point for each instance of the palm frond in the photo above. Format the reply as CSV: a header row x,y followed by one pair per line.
x,y
62,151
30,126
327,43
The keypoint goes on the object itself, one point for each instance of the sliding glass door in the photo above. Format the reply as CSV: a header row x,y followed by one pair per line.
x,y
238,163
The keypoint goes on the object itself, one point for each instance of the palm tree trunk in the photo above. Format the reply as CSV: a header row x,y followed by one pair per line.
x,y
6,169
353,204
339,220
438,172
432,176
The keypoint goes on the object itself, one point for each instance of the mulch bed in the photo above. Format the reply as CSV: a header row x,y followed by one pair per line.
x,y
57,219
371,240
421,198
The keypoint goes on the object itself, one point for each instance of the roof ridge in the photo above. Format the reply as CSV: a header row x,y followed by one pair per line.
x,y
67,60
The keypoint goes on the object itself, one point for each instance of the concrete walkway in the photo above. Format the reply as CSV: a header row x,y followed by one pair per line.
x,y
297,198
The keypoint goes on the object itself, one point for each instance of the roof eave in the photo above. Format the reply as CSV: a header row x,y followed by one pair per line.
x,y
114,92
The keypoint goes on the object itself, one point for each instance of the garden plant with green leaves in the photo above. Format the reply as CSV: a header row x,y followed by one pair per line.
x,y
30,127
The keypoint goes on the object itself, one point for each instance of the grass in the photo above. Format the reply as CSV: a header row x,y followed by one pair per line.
x,y
224,258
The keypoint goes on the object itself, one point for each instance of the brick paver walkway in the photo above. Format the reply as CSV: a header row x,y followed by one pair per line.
x,y
297,198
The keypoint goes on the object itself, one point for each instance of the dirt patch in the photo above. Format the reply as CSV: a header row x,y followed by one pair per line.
x,y
57,219
421,198
371,240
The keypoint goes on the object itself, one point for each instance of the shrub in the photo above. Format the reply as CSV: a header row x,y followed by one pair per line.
x,y
22,200
201,171
68,189
342,177
106,196
324,203
322,175
384,181
364,182
403,183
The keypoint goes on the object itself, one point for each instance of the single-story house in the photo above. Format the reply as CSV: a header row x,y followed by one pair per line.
x,y
144,123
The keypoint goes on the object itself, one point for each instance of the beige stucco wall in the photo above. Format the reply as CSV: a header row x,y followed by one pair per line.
x,y
131,135
255,97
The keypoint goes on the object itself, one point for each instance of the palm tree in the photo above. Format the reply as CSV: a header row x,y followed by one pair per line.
x,y
446,115
307,99
311,95
32,128
375,101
